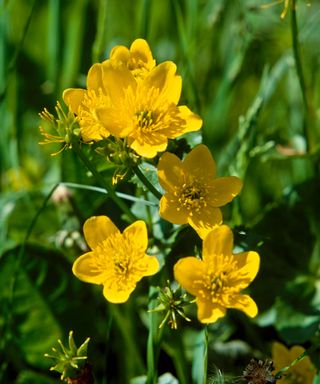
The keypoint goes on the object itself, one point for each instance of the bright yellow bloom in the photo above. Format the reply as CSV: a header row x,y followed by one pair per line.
x,y
217,279
146,111
129,97
138,59
300,373
118,260
193,194
85,103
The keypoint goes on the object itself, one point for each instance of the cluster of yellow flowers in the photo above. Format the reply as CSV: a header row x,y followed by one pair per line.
x,y
129,96
131,99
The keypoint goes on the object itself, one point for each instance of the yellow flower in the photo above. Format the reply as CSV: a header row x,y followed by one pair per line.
x,y
146,111
138,59
217,279
117,260
85,102
300,373
193,194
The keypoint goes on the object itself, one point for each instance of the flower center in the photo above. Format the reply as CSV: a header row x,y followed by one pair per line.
x,y
145,120
192,196
217,284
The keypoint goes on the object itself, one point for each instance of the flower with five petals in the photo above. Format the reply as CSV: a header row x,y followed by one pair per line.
x,y
193,193
218,279
117,260
146,111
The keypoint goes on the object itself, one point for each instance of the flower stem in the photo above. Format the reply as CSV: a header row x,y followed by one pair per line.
x,y
111,193
154,341
297,59
205,355
147,183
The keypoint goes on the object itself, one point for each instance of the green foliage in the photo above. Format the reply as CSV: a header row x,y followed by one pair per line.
x,y
237,61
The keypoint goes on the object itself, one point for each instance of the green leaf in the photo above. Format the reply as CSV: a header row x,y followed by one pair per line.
x,y
29,318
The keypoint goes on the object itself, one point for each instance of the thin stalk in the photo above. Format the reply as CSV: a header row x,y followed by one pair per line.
x,y
297,59
147,183
304,354
124,326
205,355
154,343
99,44
145,18
53,40
111,193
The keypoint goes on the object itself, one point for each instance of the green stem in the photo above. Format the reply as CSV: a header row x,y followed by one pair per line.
x,y
147,183
297,59
125,328
111,193
205,355
154,342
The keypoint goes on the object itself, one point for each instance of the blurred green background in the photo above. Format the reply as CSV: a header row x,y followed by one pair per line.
x,y
237,61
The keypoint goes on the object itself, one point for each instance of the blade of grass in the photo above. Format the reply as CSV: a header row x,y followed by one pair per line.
x,y
100,41
102,190
53,40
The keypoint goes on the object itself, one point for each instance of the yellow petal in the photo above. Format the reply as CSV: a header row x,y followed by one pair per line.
x,y
115,295
223,190
219,241
84,269
296,351
148,145
193,122
120,53
137,235
209,312
97,229
199,162
163,78
152,265
73,98
170,172
247,267
171,210
280,355
117,81
243,303
187,271
140,50
304,368
114,121
205,220
94,78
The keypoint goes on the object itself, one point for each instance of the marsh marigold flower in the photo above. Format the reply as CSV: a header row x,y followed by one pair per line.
x,y
86,102
129,97
218,279
117,260
303,372
145,111
138,59
193,193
